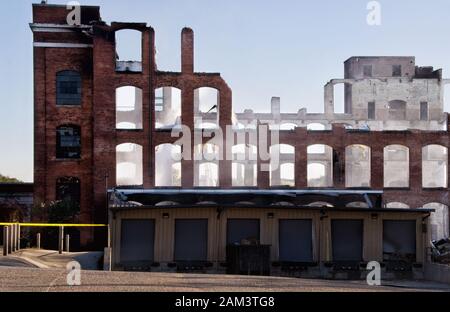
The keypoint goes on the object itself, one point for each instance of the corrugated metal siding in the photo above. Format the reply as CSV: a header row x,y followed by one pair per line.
x,y
165,230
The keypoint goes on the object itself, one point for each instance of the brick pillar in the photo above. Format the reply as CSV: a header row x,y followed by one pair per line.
x,y
377,166
187,51
301,159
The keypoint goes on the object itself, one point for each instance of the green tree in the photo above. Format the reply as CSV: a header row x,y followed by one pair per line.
x,y
6,179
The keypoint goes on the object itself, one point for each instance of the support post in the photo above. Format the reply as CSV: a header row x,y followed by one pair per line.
x,y
61,240
38,240
18,237
5,240
67,243
13,237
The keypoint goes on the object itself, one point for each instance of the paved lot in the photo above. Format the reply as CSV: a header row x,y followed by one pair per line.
x,y
42,280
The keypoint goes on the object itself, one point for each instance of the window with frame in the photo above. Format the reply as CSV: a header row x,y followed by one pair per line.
x,y
423,111
367,70
371,110
68,142
68,88
68,189
396,70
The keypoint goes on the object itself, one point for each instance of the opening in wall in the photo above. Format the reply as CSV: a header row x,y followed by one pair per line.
x,y
129,50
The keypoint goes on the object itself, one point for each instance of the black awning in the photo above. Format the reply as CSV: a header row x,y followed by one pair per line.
x,y
330,200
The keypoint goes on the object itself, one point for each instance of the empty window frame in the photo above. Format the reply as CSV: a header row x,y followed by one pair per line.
x,y
282,165
357,166
68,189
244,165
320,166
399,240
315,127
128,50
295,240
68,88
424,111
168,165
128,108
68,142
434,166
396,166
347,240
396,70
137,241
206,165
397,110
242,231
439,221
367,71
167,108
129,170
206,108
191,240
371,114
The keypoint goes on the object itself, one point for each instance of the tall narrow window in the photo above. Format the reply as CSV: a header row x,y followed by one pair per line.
x,y
68,189
396,166
68,142
128,108
367,70
424,111
167,108
68,88
396,70
129,164
371,110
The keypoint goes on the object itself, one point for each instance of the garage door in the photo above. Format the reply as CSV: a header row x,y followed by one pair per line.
x,y
295,240
191,240
347,240
137,241
399,240
242,229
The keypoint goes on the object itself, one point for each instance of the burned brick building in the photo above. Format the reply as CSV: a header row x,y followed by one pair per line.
x,y
370,183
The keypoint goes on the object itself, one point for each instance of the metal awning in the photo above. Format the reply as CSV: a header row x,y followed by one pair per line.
x,y
338,200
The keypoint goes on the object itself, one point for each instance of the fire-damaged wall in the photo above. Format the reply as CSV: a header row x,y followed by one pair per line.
x,y
104,121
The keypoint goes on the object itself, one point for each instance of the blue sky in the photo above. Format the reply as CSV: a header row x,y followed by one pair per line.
x,y
263,48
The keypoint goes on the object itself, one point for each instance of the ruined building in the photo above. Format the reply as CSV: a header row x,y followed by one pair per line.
x,y
370,183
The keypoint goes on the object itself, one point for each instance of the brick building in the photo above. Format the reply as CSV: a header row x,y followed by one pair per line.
x,y
350,187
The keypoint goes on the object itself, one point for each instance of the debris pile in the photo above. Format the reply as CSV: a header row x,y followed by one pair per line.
x,y
441,250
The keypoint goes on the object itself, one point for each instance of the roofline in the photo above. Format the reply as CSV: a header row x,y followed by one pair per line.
x,y
170,191
378,56
274,207
63,5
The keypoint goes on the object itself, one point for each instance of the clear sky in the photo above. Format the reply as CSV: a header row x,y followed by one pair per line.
x,y
263,48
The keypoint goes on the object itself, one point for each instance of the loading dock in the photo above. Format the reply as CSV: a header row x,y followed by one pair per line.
x,y
191,240
347,240
295,241
399,244
137,242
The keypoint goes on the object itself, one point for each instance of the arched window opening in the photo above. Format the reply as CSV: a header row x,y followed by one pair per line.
x,y
396,166
167,108
206,165
282,165
128,50
357,166
315,127
244,165
129,170
434,166
320,166
167,165
206,108
128,108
